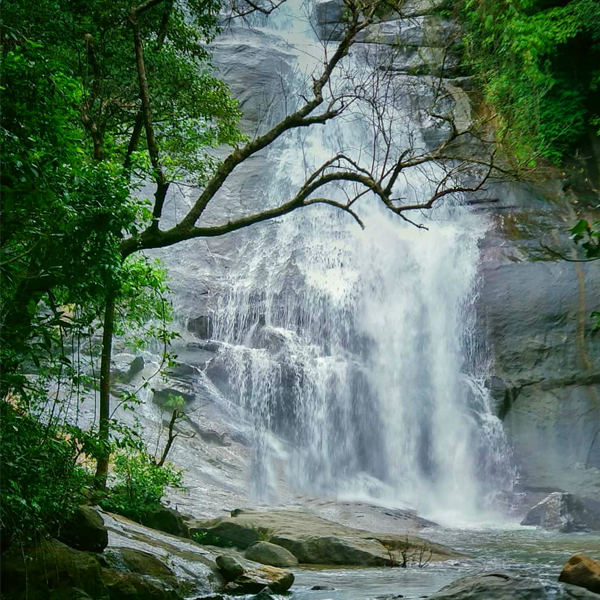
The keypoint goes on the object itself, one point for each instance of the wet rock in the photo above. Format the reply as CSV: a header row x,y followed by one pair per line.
x,y
543,391
582,571
565,513
201,326
267,553
166,519
324,588
255,580
230,567
48,566
133,586
504,586
85,530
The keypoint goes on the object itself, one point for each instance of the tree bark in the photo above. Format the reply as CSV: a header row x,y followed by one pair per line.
x,y
104,425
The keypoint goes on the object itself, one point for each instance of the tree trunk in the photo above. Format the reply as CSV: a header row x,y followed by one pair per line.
x,y
104,425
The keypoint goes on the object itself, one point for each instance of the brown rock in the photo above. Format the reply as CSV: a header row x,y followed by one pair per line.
x,y
582,571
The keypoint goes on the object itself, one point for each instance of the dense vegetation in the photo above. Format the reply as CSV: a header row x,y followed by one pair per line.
x,y
538,64
102,96
73,157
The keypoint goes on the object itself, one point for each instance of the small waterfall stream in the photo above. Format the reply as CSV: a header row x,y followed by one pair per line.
x,y
356,353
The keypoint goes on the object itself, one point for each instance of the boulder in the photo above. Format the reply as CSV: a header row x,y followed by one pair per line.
x,y
332,550
165,519
582,571
85,530
230,567
224,533
35,571
565,513
254,581
505,586
267,553
133,586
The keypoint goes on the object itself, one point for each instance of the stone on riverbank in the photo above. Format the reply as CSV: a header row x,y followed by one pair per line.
x,y
582,571
267,553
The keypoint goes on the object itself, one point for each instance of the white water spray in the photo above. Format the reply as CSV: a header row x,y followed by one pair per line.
x,y
356,347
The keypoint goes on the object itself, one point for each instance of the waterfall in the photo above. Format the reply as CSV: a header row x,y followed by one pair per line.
x,y
356,353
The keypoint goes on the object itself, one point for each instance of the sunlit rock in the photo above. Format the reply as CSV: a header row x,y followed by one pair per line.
x,y
582,571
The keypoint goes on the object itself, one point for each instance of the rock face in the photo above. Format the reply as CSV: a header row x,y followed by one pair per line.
x,y
267,553
564,513
582,571
85,530
502,586
546,372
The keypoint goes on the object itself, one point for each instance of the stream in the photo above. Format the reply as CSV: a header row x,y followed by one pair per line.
x,y
522,550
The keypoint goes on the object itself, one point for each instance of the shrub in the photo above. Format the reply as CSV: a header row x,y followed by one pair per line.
x,y
41,483
138,484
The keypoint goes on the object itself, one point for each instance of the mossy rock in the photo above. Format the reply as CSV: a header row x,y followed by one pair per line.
x,y
133,586
224,534
50,566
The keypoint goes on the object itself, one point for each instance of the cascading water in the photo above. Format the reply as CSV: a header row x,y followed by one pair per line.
x,y
359,348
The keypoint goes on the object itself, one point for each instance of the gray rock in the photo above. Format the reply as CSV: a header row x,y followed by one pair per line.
x,y
230,567
565,513
267,553
417,31
136,366
503,586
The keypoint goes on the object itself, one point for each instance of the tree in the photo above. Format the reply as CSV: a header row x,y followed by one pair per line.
x,y
153,110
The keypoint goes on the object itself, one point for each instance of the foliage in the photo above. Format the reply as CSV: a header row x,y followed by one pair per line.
x,y
587,235
42,483
538,64
138,483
